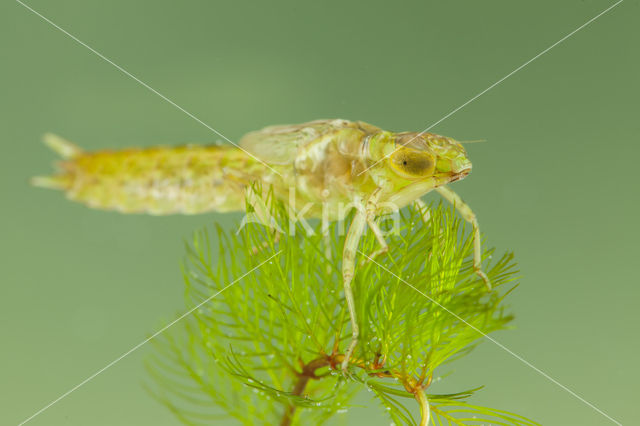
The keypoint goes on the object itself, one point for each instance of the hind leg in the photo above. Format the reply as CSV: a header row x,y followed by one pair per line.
x,y
260,215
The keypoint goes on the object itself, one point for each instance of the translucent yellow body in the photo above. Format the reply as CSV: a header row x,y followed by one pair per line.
x,y
322,168
330,163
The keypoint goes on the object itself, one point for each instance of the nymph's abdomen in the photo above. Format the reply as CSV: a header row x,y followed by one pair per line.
x,y
162,180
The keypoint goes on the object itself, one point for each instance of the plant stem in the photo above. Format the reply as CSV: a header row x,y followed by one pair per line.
x,y
303,379
308,372
425,411
332,361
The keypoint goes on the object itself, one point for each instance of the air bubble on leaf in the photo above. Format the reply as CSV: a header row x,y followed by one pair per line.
x,y
342,411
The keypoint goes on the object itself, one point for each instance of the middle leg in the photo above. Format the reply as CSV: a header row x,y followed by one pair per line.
x,y
348,270
371,210
423,208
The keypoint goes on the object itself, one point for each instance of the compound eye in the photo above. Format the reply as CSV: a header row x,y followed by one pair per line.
x,y
412,164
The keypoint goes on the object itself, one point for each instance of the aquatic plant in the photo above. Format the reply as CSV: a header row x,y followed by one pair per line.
x,y
269,326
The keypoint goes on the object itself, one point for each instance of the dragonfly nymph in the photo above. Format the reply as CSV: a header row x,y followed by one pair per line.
x,y
329,164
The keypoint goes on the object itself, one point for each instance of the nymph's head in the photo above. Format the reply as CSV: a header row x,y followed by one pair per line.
x,y
409,157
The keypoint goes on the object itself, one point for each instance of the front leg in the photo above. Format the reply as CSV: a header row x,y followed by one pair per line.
x,y
468,215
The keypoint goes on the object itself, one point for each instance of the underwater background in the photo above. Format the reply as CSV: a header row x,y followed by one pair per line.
x,y
556,182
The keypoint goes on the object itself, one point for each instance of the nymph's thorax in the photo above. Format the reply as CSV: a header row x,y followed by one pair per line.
x,y
326,174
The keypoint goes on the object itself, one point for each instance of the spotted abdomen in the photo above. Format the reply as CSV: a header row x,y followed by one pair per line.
x,y
161,180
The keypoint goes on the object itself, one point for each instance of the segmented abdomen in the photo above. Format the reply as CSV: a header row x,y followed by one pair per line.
x,y
188,179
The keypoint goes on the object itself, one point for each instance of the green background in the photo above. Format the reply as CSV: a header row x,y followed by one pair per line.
x,y
556,182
